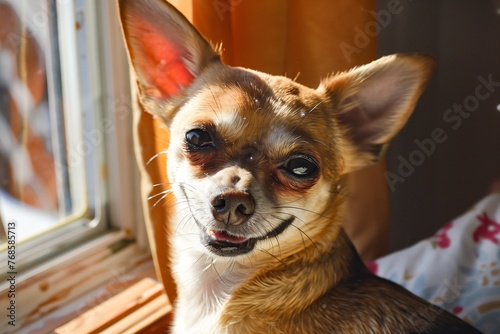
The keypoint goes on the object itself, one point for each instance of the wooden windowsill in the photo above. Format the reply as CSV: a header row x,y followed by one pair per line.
x,y
138,309
113,290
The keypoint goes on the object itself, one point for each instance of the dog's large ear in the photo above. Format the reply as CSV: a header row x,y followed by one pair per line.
x,y
374,101
166,52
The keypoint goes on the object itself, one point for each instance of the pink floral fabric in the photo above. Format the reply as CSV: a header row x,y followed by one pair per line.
x,y
458,268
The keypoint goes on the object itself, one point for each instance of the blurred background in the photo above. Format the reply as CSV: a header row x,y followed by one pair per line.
x,y
463,36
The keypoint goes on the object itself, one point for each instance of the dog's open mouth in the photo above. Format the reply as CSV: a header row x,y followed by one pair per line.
x,y
223,243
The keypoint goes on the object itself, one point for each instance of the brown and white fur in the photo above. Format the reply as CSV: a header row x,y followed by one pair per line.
x,y
258,166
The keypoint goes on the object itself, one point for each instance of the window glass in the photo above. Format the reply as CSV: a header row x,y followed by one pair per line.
x,y
49,144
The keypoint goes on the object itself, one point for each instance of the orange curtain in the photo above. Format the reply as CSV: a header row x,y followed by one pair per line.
x,y
296,38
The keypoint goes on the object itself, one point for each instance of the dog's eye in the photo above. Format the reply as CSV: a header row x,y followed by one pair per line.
x,y
199,138
302,166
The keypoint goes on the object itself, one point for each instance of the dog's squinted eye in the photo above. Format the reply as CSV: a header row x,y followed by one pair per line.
x,y
301,166
198,138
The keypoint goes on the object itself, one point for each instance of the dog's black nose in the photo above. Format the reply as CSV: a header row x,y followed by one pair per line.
x,y
233,208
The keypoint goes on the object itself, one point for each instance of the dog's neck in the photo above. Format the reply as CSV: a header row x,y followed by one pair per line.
x,y
321,266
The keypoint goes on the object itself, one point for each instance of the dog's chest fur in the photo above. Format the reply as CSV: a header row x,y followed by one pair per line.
x,y
204,288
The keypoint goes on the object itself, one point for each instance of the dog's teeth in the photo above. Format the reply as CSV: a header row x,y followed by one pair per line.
x,y
224,236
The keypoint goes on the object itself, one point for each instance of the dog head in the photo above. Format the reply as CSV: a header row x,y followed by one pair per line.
x,y
255,160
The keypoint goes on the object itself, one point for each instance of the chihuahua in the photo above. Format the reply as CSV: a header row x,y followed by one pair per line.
x,y
258,167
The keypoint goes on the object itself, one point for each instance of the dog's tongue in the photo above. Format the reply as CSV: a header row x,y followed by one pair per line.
x,y
223,236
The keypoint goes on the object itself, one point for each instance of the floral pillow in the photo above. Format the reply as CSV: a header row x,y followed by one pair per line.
x,y
458,268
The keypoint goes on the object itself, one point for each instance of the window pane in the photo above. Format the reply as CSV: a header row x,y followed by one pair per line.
x,y
46,161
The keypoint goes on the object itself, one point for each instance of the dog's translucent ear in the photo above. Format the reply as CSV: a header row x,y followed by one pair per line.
x,y
166,52
374,101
